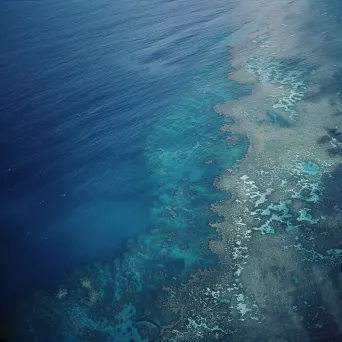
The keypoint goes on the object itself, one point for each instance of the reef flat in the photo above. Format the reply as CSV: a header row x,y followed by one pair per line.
x,y
279,250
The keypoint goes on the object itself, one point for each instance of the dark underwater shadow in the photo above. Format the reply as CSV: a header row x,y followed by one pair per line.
x,y
325,325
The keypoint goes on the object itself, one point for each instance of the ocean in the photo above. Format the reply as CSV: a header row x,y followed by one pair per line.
x,y
170,171
86,89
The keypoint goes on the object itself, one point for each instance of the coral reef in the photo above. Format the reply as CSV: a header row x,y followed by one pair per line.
x,y
282,73
277,246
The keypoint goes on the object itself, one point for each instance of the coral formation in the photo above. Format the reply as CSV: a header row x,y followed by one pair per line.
x,y
272,254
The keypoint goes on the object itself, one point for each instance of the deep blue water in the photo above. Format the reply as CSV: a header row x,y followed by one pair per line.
x,y
86,89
